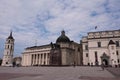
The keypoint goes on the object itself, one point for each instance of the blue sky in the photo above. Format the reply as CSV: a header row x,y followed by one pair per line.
x,y
43,20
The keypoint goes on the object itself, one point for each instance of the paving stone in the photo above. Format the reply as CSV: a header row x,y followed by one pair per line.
x,y
55,73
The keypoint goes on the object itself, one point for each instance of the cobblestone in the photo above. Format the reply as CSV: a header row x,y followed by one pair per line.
x,y
55,73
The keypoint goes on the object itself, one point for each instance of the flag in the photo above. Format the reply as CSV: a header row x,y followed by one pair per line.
x,y
95,27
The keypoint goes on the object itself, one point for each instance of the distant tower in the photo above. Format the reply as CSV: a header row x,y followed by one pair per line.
x,y
8,51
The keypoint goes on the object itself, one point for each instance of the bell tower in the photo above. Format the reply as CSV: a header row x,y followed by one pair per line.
x,y
8,51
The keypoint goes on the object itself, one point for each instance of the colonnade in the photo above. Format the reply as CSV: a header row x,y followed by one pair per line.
x,y
40,59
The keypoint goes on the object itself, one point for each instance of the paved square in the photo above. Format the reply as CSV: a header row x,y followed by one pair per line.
x,y
55,73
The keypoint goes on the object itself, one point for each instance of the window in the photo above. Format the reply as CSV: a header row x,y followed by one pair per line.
x,y
86,47
8,46
99,44
8,41
118,60
11,47
96,55
117,43
86,54
117,53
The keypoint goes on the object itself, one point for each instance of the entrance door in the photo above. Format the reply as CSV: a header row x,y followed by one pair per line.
x,y
105,62
105,59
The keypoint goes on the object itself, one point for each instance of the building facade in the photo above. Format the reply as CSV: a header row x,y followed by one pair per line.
x,y
17,61
101,48
63,52
8,51
36,55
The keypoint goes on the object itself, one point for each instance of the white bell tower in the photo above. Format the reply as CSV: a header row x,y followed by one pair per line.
x,y
8,51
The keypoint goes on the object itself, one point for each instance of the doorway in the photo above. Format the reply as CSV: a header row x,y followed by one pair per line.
x,y
105,60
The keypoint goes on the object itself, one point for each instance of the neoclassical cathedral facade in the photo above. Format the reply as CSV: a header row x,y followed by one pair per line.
x,y
101,47
63,52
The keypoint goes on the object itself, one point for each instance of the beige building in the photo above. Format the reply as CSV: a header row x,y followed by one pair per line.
x,y
101,47
63,52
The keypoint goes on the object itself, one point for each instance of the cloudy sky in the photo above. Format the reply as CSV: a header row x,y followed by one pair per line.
x,y
43,20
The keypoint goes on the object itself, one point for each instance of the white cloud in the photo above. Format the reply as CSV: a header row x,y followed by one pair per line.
x,y
42,20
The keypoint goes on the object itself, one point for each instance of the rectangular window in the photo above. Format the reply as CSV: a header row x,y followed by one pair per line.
x,y
99,44
86,54
86,47
8,46
96,57
117,53
118,60
117,43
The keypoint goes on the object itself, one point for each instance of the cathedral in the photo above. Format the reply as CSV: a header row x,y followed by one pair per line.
x,y
102,47
62,53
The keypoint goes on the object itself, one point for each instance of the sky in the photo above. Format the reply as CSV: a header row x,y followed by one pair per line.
x,y
41,21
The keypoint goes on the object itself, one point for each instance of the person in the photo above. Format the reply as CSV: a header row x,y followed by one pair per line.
x,y
74,64
92,64
14,64
102,66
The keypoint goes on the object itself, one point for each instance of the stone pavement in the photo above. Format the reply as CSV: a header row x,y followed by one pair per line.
x,y
55,73
114,71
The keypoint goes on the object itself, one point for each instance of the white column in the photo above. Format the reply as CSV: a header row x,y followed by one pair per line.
x,y
36,59
46,59
43,59
23,60
39,59
33,59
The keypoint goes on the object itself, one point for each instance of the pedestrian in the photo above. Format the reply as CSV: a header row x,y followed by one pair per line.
x,y
74,64
14,64
92,64
102,66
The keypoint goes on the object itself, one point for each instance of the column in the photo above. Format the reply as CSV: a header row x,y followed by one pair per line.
x,y
33,59
23,60
46,59
39,59
43,59
36,59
